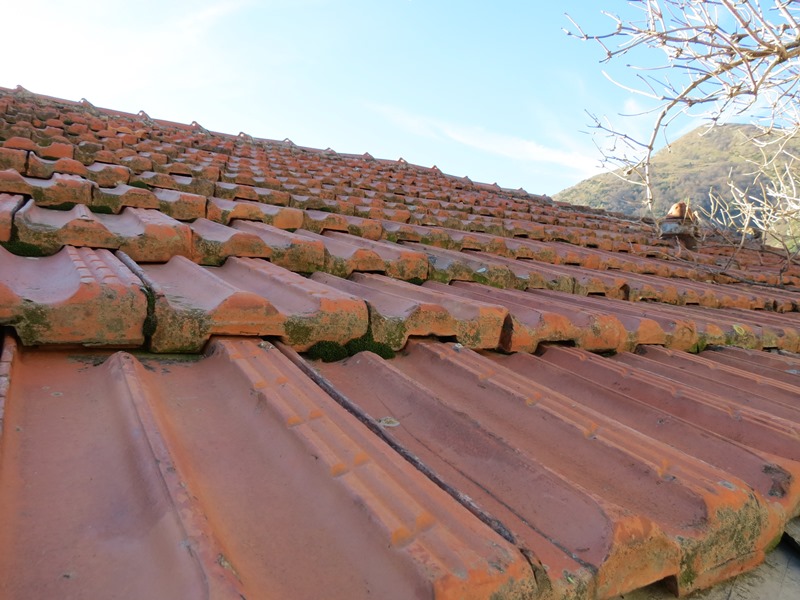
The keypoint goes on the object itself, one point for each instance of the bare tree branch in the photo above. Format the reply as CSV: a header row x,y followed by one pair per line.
x,y
725,59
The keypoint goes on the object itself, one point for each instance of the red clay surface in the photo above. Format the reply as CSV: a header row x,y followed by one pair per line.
x,y
500,454
190,478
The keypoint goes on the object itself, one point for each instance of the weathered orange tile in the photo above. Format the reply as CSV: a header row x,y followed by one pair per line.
x,y
395,533
12,182
289,250
684,395
382,213
214,242
108,176
145,235
189,185
750,328
754,405
60,189
396,232
123,195
368,229
647,322
317,203
246,296
50,230
55,150
180,205
501,246
342,258
400,261
771,365
123,519
449,265
678,504
179,167
319,221
346,253
13,159
282,217
232,191
583,281
537,317
399,310
587,379
78,296
44,169
149,235
137,163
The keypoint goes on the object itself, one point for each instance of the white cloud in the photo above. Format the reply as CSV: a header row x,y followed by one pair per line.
x,y
499,144
118,53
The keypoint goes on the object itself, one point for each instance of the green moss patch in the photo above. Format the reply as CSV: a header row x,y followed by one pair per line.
x,y
23,249
333,351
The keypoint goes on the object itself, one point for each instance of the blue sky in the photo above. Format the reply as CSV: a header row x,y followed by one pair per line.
x,y
495,91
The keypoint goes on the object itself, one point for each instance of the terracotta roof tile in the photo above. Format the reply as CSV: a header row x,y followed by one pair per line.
x,y
680,501
123,195
246,297
282,217
449,265
347,253
231,191
674,459
538,316
396,529
214,242
145,235
399,310
289,250
77,296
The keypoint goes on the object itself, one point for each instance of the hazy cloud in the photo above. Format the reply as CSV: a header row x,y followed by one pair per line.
x,y
499,144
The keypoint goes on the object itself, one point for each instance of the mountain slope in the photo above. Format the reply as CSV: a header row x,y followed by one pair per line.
x,y
699,162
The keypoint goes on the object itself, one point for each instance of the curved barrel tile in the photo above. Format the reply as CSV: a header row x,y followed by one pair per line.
x,y
242,191
398,310
568,370
449,265
246,297
115,199
180,204
282,217
683,505
214,242
399,262
83,500
145,235
764,421
342,258
77,296
273,472
288,250
538,316
346,253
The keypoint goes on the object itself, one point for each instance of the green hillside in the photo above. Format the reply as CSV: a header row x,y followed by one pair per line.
x,y
700,161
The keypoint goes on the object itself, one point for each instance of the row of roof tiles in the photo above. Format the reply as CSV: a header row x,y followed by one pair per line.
x,y
644,467
179,304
